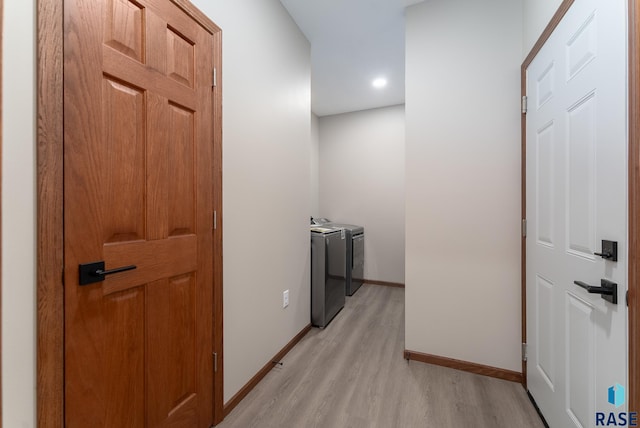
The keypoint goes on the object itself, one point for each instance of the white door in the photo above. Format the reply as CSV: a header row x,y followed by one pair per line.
x,y
576,197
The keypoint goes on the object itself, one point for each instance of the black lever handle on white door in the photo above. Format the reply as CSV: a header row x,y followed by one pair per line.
x,y
609,250
608,290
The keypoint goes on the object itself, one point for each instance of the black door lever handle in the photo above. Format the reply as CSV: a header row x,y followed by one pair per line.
x,y
116,270
604,255
94,272
609,250
593,289
608,290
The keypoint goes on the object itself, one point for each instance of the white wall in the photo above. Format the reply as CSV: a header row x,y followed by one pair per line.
x,y
266,145
463,180
18,215
537,14
362,182
315,165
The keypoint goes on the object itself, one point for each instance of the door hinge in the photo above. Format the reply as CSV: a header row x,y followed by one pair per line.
x,y
215,220
215,77
524,352
524,227
524,104
626,297
215,362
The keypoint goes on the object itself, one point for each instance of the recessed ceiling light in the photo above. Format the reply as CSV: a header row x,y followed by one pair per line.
x,y
379,83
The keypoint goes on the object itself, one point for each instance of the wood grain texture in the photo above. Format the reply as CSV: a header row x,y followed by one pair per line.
x,y
197,15
466,366
147,334
248,387
218,384
551,26
352,374
385,283
50,357
634,205
1,30
523,216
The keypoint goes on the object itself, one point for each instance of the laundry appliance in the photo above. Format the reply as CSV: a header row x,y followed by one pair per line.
x,y
328,273
355,255
354,252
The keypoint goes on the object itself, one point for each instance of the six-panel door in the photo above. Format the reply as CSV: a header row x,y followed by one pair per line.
x,y
138,191
576,197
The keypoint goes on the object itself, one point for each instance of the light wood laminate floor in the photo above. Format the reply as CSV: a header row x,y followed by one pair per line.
x,y
353,374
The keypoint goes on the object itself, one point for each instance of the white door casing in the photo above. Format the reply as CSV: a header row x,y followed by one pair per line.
x,y
576,196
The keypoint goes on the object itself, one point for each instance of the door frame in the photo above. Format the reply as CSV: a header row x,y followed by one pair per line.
x,y
50,230
1,102
634,191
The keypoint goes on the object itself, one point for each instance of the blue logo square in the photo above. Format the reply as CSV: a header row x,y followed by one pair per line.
x,y
616,395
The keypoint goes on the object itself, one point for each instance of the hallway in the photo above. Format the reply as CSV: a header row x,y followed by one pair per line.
x,y
353,375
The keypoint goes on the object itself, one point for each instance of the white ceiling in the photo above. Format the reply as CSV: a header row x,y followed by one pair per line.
x,y
352,43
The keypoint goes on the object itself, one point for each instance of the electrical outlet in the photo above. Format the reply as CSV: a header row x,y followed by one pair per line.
x,y
285,298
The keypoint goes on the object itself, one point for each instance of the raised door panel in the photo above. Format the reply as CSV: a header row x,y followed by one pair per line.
x,y
580,358
182,190
545,85
581,176
124,28
180,57
545,332
123,157
124,320
172,347
545,189
582,47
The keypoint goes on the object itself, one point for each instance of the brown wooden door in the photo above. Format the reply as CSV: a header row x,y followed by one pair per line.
x,y
138,191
